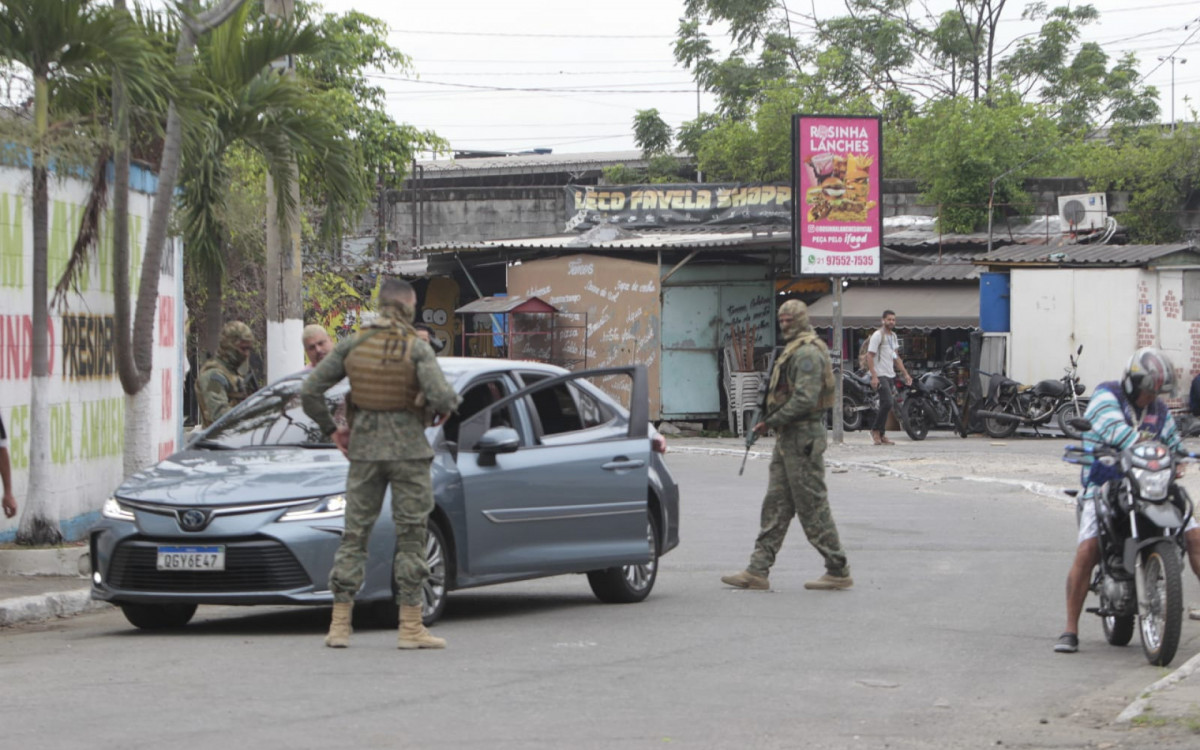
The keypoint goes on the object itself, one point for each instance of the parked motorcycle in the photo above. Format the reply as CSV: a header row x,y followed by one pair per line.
x,y
932,403
1010,404
860,403
1141,517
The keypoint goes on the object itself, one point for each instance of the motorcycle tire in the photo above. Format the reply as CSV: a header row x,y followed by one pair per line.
x,y
852,417
1118,629
1160,625
913,418
1000,428
1065,414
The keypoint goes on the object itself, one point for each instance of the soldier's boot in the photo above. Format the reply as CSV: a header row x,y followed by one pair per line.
x,y
412,631
829,582
746,580
339,625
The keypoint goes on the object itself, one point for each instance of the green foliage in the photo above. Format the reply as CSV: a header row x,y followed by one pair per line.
x,y
958,149
1160,169
651,134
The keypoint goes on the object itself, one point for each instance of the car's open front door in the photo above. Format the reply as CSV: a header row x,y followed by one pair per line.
x,y
570,496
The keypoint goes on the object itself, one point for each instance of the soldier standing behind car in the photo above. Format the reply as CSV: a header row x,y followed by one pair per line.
x,y
390,369
801,389
219,386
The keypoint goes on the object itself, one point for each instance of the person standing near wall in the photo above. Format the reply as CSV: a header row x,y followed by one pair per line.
x,y
883,359
220,385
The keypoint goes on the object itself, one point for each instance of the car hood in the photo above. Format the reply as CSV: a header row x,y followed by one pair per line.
x,y
237,477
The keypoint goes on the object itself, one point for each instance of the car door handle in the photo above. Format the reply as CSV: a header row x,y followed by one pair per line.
x,y
620,462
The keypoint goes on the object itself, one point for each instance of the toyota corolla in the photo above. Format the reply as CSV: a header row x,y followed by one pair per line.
x,y
540,473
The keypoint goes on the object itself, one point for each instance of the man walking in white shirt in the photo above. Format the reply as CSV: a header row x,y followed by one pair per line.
x,y
883,359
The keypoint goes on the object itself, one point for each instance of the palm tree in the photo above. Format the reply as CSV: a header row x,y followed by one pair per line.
x,y
66,45
276,116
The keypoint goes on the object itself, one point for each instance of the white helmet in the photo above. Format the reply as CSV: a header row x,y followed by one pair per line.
x,y
1148,371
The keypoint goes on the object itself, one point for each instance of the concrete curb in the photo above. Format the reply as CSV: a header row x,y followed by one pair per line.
x,y
1139,706
51,561
47,606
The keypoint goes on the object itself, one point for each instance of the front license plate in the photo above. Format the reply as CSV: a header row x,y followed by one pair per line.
x,y
191,558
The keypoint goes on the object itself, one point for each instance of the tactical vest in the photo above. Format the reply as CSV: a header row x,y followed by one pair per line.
x,y
236,391
382,374
783,389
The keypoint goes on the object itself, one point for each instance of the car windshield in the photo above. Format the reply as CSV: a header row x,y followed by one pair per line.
x,y
274,416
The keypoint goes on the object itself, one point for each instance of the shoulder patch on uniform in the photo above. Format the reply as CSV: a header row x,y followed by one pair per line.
x,y
807,364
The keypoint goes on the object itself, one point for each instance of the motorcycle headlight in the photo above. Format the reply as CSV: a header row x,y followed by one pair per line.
x,y
1152,485
330,506
113,509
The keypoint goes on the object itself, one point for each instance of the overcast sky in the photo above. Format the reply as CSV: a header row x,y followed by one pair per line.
x,y
569,76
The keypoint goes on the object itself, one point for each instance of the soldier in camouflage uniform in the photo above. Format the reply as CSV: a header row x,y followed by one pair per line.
x,y
220,385
394,378
801,390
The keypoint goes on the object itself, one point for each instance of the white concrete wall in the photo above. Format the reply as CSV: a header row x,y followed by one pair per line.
x,y
1111,312
87,404
1054,311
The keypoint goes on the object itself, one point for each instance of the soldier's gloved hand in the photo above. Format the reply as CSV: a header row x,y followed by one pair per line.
x,y
341,438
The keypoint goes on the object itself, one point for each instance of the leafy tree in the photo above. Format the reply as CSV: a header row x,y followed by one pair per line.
x,y
1160,170
69,49
651,134
960,151
279,117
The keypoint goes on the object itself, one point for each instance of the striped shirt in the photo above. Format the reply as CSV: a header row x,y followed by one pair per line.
x,y
1113,424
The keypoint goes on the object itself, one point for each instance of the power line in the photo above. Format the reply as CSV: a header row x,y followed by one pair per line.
x,y
431,32
551,89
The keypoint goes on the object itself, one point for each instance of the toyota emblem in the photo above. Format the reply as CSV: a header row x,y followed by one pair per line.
x,y
193,520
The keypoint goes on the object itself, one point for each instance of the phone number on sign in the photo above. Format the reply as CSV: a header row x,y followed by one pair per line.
x,y
846,260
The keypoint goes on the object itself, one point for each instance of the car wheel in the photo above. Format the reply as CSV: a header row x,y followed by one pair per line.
x,y
158,616
385,613
629,583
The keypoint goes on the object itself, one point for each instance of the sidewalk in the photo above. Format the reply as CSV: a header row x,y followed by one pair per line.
x,y
37,585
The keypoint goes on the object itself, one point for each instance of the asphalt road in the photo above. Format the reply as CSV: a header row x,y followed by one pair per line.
x,y
944,642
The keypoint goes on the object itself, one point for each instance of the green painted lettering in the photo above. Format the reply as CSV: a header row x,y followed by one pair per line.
x,y
60,434
12,241
18,434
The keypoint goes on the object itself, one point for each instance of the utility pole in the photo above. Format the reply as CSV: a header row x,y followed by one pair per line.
x,y
1181,61
285,307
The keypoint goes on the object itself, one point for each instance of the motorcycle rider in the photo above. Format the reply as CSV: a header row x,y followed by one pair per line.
x,y
1121,413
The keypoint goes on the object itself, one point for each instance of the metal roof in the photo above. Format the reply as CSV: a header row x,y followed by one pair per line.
x,y
628,240
921,231
523,163
947,268
507,305
1099,255
928,306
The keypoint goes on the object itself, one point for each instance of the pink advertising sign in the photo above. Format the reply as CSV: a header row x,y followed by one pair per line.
x,y
837,225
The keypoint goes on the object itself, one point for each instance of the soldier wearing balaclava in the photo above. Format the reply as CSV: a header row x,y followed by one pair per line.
x,y
220,385
801,389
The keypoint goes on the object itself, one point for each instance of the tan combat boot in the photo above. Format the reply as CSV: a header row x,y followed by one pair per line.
x,y
746,580
339,625
829,582
412,631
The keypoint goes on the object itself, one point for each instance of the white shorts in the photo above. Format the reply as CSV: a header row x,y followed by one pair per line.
x,y
1087,521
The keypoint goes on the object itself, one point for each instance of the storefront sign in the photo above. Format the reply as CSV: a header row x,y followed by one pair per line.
x,y
837,227
656,206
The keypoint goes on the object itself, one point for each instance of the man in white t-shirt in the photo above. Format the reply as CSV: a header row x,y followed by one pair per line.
x,y
883,359
10,502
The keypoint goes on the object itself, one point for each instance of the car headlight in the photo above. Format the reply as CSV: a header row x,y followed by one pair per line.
x,y
1152,485
330,506
113,509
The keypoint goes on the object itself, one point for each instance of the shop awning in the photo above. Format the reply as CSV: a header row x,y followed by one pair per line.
x,y
916,306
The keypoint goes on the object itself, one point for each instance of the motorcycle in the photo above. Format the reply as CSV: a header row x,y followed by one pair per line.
x,y
1141,517
1010,404
860,403
932,403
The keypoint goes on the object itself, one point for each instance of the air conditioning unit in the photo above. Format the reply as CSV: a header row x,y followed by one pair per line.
x,y
1082,213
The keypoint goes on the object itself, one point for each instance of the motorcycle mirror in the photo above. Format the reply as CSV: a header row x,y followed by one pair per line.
x,y
1079,423
1079,351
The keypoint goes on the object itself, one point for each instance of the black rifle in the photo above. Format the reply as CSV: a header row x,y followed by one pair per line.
x,y
760,409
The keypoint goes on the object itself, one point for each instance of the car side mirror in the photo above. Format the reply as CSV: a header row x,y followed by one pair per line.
x,y
497,440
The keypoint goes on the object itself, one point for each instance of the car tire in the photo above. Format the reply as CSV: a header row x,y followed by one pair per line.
x,y
627,584
158,616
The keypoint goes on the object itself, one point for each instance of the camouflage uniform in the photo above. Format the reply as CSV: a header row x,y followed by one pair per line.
x,y
220,385
801,390
387,444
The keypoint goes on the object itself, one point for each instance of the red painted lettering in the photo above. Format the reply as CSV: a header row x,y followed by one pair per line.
x,y
168,396
166,321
